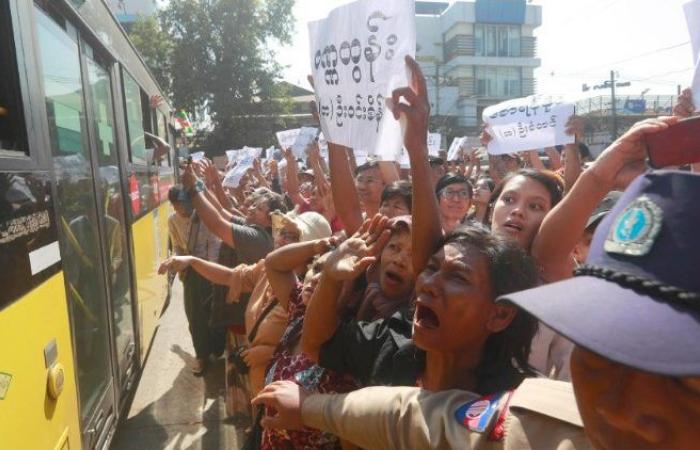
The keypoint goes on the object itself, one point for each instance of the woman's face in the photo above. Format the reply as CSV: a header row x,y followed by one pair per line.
x,y
520,210
482,192
454,302
369,186
455,201
313,275
396,276
624,408
394,207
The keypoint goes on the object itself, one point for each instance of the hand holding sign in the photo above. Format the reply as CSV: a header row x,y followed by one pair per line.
x,y
357,59
412,105
527,123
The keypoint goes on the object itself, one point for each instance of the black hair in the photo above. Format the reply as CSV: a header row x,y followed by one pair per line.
x,y
506,353
366,166
453,178
274,201
435,161
402,189
489,182
548,179
175,194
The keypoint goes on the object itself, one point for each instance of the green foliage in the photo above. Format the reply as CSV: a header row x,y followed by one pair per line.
x,y
155,48
221,65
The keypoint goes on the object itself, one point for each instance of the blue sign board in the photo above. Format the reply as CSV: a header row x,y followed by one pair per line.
x,y
500,11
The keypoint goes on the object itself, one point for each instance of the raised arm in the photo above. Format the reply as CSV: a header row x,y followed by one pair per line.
x,y
281,264
293,177
346,263
616,167
210,216
347,203
426,230
213,272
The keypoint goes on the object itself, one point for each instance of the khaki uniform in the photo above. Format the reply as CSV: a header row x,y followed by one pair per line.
x,y
541,415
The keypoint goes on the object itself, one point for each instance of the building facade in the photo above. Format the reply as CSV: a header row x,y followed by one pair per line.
x,y
127,11
475,54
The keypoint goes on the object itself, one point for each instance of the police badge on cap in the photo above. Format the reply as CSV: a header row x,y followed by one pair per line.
x,y
635,230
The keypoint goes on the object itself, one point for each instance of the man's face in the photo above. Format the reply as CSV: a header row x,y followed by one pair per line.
x,y
624,408
259,213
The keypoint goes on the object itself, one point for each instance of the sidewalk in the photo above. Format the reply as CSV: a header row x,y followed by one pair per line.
x,y
172,408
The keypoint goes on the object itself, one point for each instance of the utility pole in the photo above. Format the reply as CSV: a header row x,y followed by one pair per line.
x,y
614,105
437,89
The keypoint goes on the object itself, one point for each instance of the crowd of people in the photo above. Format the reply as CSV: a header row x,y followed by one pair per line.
x,y
533,303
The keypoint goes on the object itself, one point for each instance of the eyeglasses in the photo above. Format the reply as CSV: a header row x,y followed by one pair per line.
x,y
453,195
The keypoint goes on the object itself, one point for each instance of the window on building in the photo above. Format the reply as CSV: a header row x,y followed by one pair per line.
x,y
498,82
13,139
497,40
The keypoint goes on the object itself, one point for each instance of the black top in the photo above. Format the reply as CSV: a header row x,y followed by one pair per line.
x,y
379,353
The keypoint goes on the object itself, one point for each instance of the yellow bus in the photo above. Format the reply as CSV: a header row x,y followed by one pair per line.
x,y
83,222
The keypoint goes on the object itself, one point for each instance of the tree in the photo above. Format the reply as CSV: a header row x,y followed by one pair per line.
x,y
222,65
155,47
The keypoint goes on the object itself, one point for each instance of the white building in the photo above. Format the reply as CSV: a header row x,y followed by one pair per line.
x,y
475,54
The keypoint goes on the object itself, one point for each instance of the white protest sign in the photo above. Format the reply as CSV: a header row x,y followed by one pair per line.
x,y
270,153
323,146
357,60
404,159
528,123
434,143
197,156
305,137
455,151
692,15
232,155
287,138
255,152
233,177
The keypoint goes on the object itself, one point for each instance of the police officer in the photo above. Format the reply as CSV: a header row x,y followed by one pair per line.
x,y
634,314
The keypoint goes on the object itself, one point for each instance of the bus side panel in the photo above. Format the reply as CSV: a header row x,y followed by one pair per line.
x,y
29,418
150,236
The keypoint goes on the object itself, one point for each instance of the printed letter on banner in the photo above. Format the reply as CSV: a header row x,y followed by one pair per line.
x,y
357,60
692,15
528,123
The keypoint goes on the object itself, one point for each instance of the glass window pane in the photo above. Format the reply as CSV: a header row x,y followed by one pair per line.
x,y
114,220
80,248
491,43
502,41
514,37
13,138
479,40
134,120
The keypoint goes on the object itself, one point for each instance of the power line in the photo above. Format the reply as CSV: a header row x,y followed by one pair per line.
x,y
642,55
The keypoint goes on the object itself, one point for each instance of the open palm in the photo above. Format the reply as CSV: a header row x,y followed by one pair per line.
x,y
354,255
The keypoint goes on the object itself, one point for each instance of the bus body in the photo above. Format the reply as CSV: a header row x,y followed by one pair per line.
x,y
83,222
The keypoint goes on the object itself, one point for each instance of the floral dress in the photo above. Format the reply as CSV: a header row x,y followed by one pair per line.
x,y
300,369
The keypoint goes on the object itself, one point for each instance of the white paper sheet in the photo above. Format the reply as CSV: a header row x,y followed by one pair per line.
x,y
357,60
528,123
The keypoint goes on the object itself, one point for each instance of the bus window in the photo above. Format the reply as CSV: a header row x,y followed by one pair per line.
x,y
163,133
13,138
134,120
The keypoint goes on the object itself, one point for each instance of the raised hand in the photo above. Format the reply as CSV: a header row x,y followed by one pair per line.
x,y
575,127
414,109
684,108
356,254
174,264
625,159
485,136
189,177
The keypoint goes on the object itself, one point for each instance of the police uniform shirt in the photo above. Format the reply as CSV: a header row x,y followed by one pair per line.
x,y
541,414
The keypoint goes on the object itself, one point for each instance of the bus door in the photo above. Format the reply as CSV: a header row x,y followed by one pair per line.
x,y
110,206
80,218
